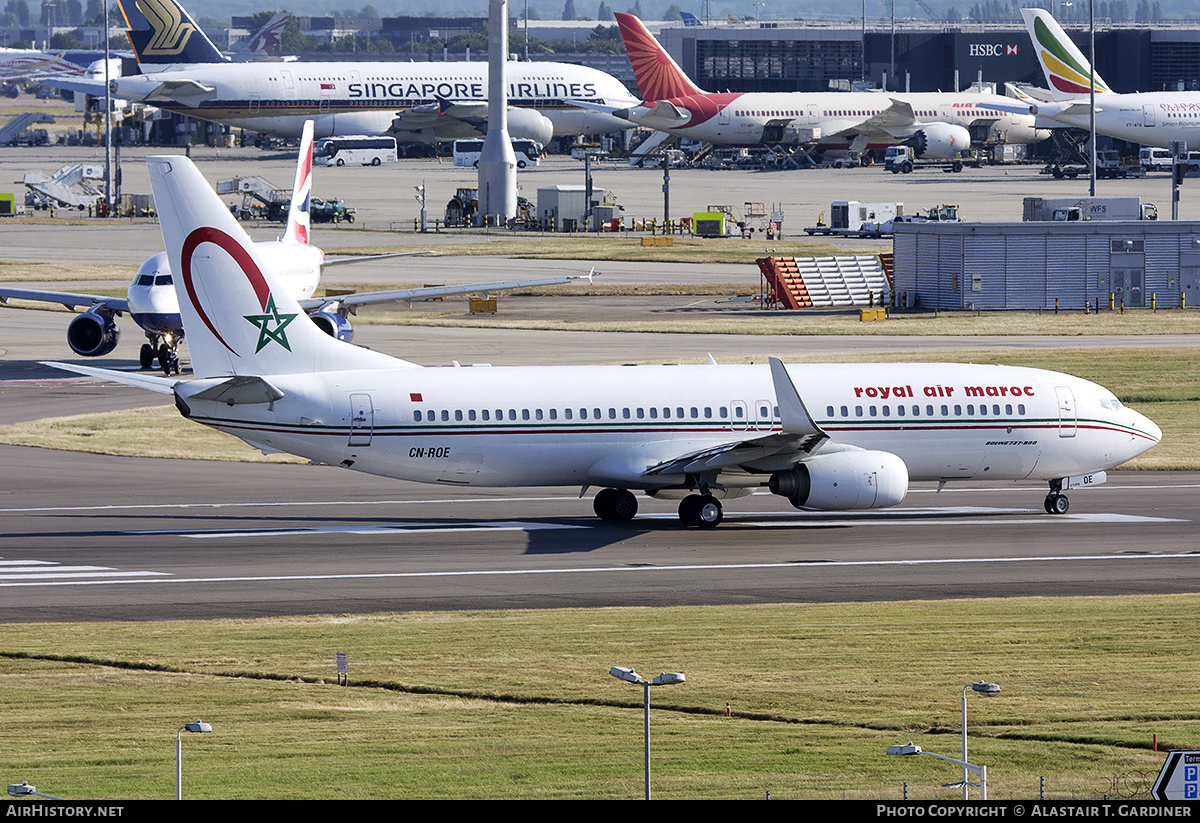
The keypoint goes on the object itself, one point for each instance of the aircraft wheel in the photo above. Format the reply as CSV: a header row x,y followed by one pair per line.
x,y
615,504
710,511
689,510
1057,504
164,357
146,356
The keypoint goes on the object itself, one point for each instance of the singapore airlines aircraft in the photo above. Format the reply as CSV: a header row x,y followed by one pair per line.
x,y
935,125
416,102
152,302
1151,118
826,437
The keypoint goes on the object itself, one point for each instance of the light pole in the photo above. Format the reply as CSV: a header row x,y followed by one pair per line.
x,y
987,690
909,748
663,679
198,727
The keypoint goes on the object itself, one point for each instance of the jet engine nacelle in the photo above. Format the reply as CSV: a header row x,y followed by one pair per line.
x,y
92,334
528,124
841,481
939,141
334,325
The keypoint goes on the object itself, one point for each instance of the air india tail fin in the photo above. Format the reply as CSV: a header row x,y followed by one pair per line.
x,y
238,318
162,32
658,76
1067,70
298,219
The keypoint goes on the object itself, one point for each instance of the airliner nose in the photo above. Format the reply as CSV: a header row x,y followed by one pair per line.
x,y
1146,428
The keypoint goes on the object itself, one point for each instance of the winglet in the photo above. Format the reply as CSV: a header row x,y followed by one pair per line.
x,y
792,411
298,217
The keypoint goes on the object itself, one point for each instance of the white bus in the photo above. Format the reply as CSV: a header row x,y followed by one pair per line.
x,y
366,151
466,152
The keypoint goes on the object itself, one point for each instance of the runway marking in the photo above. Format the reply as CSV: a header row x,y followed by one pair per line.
x,y
724,568
20,572
413,528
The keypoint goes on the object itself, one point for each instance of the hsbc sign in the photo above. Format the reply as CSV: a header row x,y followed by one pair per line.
x,y
994,50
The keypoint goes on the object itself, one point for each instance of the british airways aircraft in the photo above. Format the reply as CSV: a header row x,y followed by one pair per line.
x,y
936,125
824,437
152,303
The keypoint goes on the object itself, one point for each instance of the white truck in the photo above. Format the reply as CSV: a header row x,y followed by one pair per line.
x,y
852,218
1070,209
902,160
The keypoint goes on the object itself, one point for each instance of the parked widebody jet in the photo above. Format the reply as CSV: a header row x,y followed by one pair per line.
x,y
935,125
151,299
825,437
1150,118
416,102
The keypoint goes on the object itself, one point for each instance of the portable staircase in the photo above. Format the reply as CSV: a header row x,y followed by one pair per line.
x,y
11,130
650,150
260,197
70,186
796,283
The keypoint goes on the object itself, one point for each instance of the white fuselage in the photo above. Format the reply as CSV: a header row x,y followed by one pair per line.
x,y
1149,118
609,425
742,119
365,98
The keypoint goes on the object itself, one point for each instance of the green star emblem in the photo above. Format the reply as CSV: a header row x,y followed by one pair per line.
x,y
271,325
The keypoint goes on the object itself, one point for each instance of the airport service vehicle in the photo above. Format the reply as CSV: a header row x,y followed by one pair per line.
x,y
935,214
152,302
1154,159
1154,119
935,125
331,211
467,152
1088,208
1111,166
361,149
824,437
413,102
903,160
855,219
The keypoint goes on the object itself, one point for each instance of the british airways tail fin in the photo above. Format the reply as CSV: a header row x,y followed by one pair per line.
x,y
238,317
1067,70
658,76
162,32
298,218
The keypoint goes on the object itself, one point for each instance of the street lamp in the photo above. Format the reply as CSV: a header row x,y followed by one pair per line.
x,y
909,748
663,679
198,727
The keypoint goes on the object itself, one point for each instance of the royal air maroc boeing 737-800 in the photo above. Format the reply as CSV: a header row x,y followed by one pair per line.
x,y
825,437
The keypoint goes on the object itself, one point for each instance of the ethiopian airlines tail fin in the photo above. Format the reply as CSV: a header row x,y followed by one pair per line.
x,y
298,219
237,317
1067,70
658,75
162,32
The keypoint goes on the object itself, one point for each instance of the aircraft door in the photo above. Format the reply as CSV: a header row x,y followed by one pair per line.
x,y
762,417
737,415
1148,116
1067,421
362,420
723,116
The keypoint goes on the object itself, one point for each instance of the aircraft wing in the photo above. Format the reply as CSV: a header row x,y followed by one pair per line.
x,y
190,93
433,114
84,85
354,301
67,299
800,437
341,261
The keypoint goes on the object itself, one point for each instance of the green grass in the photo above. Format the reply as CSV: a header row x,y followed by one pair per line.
x,y
518,704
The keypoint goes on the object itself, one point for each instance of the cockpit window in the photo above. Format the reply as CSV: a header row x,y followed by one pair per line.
x,y
146,280
162,280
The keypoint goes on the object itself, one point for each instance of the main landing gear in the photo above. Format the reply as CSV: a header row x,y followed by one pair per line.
x,y
701,510
615,504
1056,501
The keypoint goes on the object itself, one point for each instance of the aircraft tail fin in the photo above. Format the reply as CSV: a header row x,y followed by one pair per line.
x,y
658,75
298,217
238,318
162,32
1067,70
265,42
